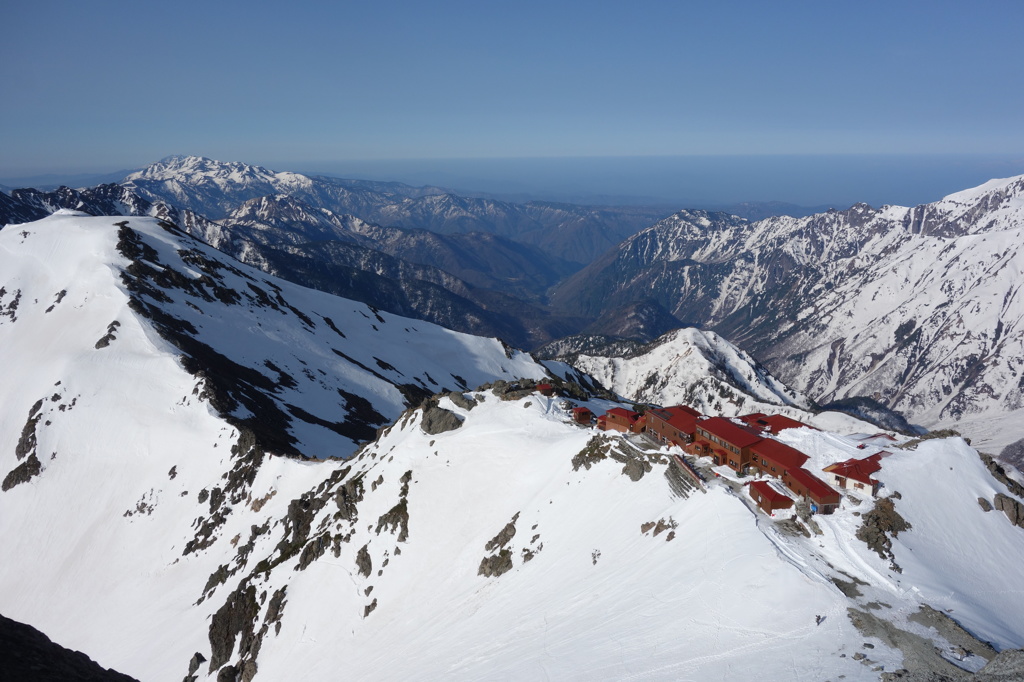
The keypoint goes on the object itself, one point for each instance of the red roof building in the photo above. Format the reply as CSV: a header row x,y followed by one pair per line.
x,y
725,442
855,474
772,423
546,389
676,425
582,415
619,419
823,499
768,498
775,458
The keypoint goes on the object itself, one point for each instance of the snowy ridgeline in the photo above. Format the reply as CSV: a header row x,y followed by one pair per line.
x,y
379,566
917,308
485,535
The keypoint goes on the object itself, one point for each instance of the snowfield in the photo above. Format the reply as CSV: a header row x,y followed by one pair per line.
x,y
156,526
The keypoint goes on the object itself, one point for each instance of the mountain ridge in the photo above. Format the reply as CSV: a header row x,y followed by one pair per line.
x,y
914,307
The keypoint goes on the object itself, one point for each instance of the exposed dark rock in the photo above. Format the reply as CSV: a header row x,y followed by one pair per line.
x,y
27,443
228,673
878,525
22,473
397,518
363,561
313,550
847,587
27,655
792,526
461,400
1013,509
110,335
370,608
999,473
348,497
504,535
952,632
197,660
494,566
919,654
414,394
931,435
664,525
985,505
635,469
438,420
236,618
596,449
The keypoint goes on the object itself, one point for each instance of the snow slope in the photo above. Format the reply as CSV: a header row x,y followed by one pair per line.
x,y
159,525
693,367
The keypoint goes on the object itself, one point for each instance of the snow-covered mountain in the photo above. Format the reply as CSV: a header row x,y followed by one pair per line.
x,y
401,271
148,522
479,259
695,368
214,188
250,341
917,308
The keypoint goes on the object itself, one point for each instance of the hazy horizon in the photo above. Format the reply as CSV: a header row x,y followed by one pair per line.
x,y
695,180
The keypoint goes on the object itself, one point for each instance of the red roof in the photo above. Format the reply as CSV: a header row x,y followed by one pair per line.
x,y
768,492
728,431
778,422
681,417
773,423
580,410
779,453
857,469
623,413
757,419
543,387
817,489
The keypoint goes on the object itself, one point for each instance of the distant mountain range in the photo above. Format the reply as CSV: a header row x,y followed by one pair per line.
x,y
913,309
213,188
917,308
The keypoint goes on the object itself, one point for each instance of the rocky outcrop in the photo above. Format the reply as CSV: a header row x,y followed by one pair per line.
x,y
363,561
438,420
498,564
504,535
22,473
235,619
461,400
501,561
999,473
1013,509
881,524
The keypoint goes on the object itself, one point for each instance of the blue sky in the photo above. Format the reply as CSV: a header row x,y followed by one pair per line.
x,y
106,85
